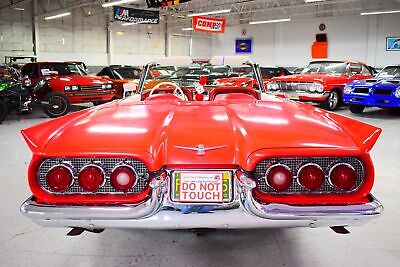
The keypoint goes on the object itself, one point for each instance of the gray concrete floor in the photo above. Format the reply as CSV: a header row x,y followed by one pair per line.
x,y
23,243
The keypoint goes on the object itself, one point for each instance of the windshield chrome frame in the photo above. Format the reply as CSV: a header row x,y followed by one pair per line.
x,y
255,67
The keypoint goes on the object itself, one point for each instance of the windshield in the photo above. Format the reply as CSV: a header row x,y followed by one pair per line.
x,y
390,72
189,77
56,69
126,73
326,68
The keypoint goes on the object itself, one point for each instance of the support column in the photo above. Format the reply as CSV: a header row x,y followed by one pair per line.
x,y
35,29
109,45
166,38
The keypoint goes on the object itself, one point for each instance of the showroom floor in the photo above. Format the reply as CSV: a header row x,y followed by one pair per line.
x,y
23,243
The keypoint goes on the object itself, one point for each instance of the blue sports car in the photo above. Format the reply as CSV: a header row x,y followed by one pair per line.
x,y
381,91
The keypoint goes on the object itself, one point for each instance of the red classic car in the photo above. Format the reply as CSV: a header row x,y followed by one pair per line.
x,y
66,84
321,82
244,76
163,161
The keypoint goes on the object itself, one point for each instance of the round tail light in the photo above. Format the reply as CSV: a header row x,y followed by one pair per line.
x,y
343,176
123,178
311,177
59,178
91,178
279,177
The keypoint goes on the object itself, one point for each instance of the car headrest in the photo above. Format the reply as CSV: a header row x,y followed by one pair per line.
x,y
163,97
234,96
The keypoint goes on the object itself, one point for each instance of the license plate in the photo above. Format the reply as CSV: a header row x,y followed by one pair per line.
x,y
201,187
292,96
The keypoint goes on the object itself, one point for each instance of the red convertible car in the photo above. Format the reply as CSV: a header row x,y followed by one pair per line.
x,y
321,82
162,160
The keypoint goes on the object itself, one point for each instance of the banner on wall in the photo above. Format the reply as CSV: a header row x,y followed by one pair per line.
x,y
136,15
207,24
243,46
161,3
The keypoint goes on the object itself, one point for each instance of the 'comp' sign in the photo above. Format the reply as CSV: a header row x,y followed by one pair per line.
x,y
206,24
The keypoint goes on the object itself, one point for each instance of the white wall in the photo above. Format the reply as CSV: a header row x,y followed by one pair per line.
x,y
82,38
289,43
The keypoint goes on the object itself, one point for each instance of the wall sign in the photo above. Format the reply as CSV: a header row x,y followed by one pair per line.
x,y
393,43
243,46
207,24
161,3
136,15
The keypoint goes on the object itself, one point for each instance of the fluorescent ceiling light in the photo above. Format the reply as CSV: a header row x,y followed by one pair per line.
x,y
187,29
313,1
118,3
269,21
58,16
210,12
19,8
380,12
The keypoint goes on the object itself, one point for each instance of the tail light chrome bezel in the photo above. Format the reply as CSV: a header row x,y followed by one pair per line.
x,y
330,173
97,166
274,166
69,169
123,164
301,168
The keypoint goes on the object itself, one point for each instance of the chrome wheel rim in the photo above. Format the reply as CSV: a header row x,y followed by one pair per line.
x,y
57,105
333,99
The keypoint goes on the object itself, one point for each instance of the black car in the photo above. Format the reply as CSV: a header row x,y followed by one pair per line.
x,y
120,72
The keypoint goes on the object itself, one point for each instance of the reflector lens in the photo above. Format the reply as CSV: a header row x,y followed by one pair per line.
x,y
91,178
343,177
279,177
59,179
311,177
123,178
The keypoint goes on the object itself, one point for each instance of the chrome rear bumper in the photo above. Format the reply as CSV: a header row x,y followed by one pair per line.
x,y
157,213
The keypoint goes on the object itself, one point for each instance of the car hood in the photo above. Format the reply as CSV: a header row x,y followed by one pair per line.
x,y
378,82
80,80
319,77
169,132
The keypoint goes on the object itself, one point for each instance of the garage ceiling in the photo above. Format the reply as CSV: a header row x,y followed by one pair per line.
x,y
242,11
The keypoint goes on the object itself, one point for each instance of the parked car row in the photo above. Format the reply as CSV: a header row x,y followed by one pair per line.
x,y
58,85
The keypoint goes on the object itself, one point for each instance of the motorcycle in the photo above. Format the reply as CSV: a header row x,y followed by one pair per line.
x,y
14,96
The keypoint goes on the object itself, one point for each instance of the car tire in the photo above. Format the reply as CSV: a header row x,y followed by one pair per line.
x,y
356,108
332,101
56,104
96,103
3,110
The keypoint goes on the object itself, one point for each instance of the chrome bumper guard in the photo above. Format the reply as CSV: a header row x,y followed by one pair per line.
x,y
157,213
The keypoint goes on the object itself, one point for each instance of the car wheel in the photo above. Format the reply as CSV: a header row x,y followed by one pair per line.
x,y
332,102
356,108
56,104
3,110
96,103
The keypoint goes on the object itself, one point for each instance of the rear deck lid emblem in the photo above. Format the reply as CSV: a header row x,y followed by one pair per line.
x,y
201,149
